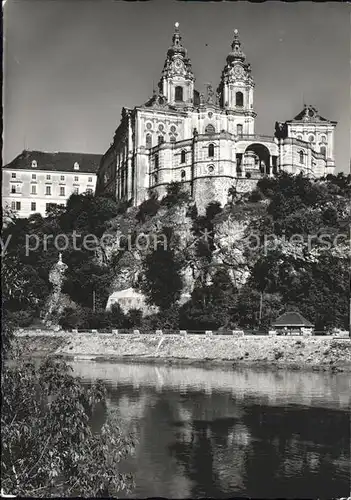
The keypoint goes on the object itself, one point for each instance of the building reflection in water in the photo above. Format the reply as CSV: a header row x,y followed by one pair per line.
x,y
282,436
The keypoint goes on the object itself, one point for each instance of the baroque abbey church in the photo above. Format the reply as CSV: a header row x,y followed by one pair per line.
x,y
208,142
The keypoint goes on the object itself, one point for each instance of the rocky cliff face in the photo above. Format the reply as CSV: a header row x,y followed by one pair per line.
x,y
129,241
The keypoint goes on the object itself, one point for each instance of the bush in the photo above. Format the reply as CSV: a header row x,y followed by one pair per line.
x,y
148,208
84,318
69,318
22,318
256,196
96,320
49,448
116,316
175,195
167,319
134,318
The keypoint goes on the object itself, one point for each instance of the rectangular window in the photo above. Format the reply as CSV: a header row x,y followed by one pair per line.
x,y
34,189
76,190
48,177
13,205
13,175
62,191
89,191
13,189
48,190
90,179
18,205
34,177
33,206
76,178
62,178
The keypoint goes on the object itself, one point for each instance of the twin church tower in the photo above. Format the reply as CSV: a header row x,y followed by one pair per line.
x,y
208,142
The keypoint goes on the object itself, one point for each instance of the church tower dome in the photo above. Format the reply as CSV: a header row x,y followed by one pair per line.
x,y
177,47
236,53
177,80
236,87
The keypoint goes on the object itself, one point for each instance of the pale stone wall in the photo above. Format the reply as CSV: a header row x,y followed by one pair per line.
x,y
130,299
313,165
210,189
322,134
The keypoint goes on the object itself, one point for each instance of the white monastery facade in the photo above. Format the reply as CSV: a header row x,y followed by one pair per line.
x,y
35,181
208,143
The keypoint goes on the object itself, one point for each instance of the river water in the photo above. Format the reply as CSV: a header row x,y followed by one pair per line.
x,y
222,432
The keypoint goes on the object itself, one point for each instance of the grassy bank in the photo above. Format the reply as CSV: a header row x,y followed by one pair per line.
x,y
318,353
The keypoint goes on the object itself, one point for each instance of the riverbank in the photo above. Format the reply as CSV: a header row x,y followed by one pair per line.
x,y
309,353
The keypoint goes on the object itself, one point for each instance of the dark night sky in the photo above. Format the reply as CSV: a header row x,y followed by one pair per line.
x,y
70,66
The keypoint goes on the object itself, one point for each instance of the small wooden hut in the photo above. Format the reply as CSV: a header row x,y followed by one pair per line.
x,y
292,323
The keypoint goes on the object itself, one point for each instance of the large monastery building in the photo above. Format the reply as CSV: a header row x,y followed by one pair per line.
x,y
208,143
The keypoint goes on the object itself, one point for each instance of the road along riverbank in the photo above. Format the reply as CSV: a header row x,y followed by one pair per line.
x,y
311,353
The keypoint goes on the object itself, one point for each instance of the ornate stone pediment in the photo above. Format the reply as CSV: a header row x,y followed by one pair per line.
x,y
157,101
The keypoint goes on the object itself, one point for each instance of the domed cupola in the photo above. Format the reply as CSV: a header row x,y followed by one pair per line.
x,y
236,54
177,80
177,47
236,87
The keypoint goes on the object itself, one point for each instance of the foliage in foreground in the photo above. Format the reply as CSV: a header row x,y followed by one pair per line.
x,y
49,447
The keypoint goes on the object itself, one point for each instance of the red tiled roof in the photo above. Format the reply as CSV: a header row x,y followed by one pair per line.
x,y
292,319
60,162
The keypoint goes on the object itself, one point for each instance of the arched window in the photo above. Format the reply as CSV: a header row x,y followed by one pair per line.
x,y
183,156
323,139
210,129
239,129
211,151
179,93
301,157
155,178
160,139
182,175
239,99
299,137
156,161
323,150
172,138
148,141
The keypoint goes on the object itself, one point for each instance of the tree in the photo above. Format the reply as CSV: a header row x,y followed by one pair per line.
x,y
175,195
247,311
134,318
210,306
303,273
117,317
162,283
85,278
148,208
88,214
167,319
48,446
